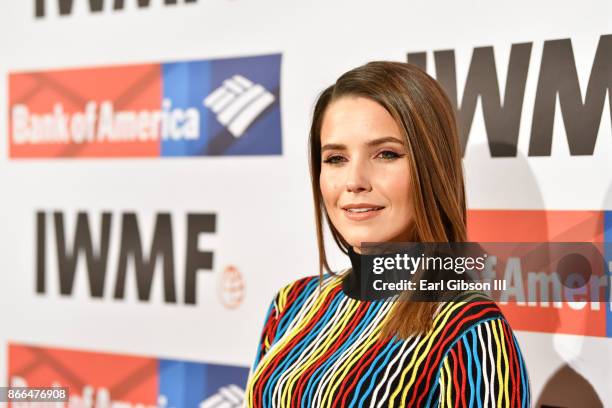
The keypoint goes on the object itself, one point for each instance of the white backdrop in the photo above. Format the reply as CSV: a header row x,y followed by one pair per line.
x,y
263,205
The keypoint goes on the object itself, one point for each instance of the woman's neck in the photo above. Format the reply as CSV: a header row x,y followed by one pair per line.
x,y
357,286
351,285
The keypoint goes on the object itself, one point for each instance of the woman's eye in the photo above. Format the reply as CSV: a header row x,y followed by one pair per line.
x,y
388,155
332,159
385,155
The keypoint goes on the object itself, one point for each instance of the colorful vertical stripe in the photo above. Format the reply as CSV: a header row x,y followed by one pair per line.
x,y
321,348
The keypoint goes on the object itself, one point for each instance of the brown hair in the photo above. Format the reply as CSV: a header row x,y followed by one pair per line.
x,y
426,118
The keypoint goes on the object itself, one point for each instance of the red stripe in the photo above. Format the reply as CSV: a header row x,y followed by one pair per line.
x,y
272,325
295,290
300,386
431,368
462,367
267,372
439,345
514,365
455,384
361,364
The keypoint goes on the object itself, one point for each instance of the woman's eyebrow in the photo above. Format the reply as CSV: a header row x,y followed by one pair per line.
x,y
374,142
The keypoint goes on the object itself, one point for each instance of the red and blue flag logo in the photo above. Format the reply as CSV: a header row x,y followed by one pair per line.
x,y
192,108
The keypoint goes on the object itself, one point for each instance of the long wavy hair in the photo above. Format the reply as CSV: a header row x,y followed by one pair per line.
x,y
427,121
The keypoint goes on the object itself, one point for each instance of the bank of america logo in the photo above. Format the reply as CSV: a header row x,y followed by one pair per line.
x,y
237,103
229,396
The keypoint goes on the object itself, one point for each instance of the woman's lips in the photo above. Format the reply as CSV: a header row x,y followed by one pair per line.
x,y
364,215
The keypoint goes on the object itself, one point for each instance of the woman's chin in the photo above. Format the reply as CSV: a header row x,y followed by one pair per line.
x,y
357,241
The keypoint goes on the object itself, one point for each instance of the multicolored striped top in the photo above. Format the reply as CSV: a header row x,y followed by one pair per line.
x,y
321,348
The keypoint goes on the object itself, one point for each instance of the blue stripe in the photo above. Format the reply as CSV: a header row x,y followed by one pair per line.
x,y
389,350
524,377
296,306
260,346
475,343
468,352
436,392
295,352
447,353
322,369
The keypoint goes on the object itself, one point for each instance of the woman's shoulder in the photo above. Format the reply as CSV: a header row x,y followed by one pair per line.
x,y
299,290
304,283
466,311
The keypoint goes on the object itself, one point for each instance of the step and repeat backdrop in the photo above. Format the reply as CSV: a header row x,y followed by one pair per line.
x,y
155,185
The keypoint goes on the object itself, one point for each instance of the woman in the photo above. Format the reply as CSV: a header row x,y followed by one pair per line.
x,y
386,167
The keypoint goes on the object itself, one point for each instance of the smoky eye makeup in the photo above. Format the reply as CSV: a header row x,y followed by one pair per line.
x,y
384,154
332,159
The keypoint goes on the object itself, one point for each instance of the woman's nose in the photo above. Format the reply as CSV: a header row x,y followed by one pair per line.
x,y
357,178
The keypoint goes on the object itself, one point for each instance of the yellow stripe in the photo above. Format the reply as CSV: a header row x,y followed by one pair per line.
x,y
282,296
506,363
266,344
449,402
437,328
290,335
337,329
355,355
498,361
429,339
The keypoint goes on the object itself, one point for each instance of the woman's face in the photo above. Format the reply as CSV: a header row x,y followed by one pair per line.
x,y
364,163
